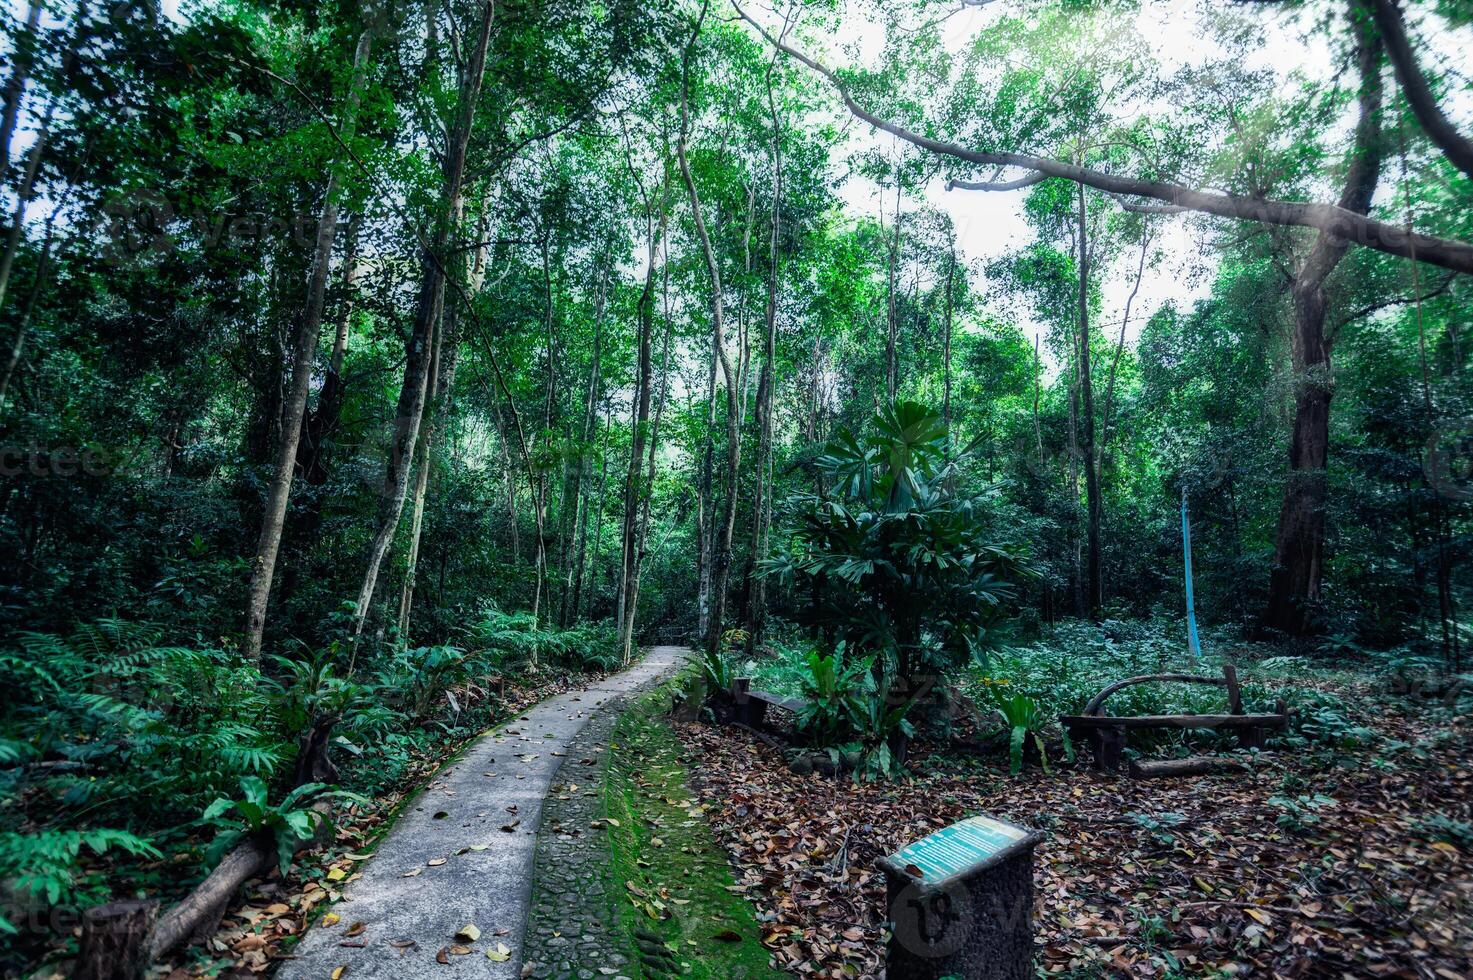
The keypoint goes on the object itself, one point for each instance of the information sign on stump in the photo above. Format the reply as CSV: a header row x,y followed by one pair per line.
x,y
961,903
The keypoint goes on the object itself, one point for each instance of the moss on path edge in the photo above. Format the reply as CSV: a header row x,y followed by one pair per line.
x,y
629,880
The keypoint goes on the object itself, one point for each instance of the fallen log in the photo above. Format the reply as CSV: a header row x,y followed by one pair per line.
x,y
200,911
129,948
1197,765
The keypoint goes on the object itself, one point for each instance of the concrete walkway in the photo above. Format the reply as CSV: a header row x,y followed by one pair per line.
x,y
462,854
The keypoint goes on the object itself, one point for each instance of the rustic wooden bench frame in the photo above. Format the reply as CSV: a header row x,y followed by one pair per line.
x,y
1106,734
751,706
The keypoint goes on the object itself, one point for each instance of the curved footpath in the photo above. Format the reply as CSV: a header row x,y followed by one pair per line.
x,y
462,854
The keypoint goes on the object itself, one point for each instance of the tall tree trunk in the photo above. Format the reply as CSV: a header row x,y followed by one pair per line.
x,y
721,552
577,524
766,386
18,343
1093,597
23,56
413,394
892,324
1299,543
705,511
322,421
634,492
581,566
540,487
946,344
442,381
304,352
642,535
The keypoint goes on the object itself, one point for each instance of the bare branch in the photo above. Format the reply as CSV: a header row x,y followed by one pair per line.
x,y
1028,180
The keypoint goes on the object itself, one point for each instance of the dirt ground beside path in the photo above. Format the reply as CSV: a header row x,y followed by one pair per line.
x,y
1343,863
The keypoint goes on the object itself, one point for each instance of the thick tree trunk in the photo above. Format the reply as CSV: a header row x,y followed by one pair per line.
x,y
115,940
304,352
1299,543
414,392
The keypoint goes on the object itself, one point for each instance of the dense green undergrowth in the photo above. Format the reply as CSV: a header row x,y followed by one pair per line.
x,y
122,758
1057,674
669,875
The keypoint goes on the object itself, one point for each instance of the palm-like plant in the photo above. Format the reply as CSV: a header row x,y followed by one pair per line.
x,y
904,565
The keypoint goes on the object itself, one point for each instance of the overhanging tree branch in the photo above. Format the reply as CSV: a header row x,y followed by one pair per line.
x,y
1354,228
1458,148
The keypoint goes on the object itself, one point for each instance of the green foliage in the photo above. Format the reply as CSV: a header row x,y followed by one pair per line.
x,y
850,714
833,696
1024,721
1300,813
45,864
285,824
907,568
1447,829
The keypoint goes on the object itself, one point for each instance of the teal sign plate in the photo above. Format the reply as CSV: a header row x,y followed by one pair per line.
x,y
956,848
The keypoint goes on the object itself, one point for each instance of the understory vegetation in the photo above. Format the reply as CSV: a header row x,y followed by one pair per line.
x,y
368,370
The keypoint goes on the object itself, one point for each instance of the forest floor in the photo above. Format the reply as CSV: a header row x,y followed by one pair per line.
x,y
683,849
1347,862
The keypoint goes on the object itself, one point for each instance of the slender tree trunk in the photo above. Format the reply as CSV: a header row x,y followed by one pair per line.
x,y
581,566
1299,543
18,344
721,557
23,195
603,484
1140,272
946,345
414,392
705,510
578,523
304,352
654,448
892,325
443,360
1081,606
539,490
424,461
1093,597
766,387
322,421
23,56
634,492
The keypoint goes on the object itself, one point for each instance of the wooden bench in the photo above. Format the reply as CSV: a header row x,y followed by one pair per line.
x,y
1106,734
752,706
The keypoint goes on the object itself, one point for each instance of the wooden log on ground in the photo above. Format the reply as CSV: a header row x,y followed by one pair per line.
x,y
114,940
1197,765
206,904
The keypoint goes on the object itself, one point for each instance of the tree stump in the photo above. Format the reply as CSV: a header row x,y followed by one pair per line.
x,y
115,940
